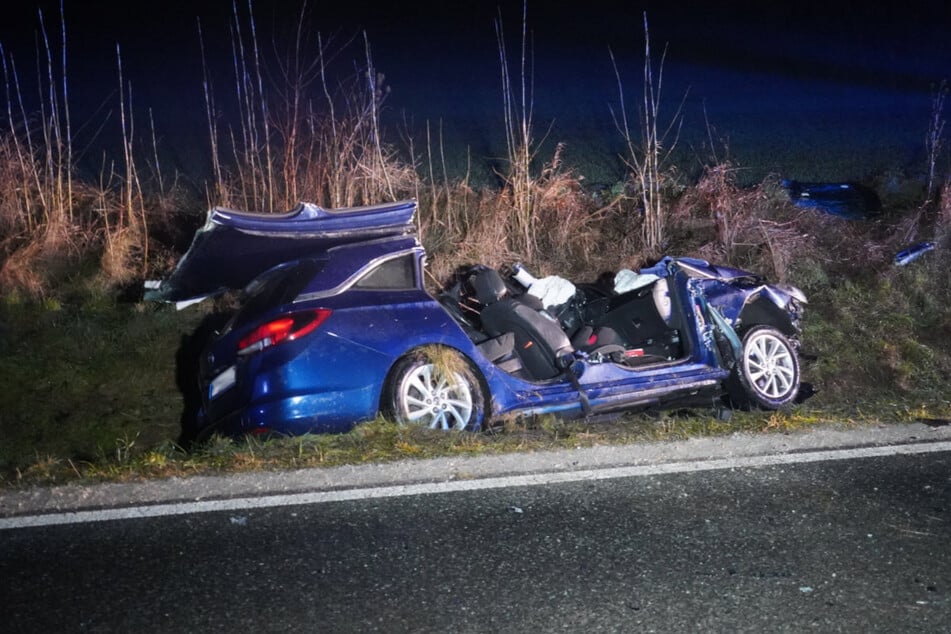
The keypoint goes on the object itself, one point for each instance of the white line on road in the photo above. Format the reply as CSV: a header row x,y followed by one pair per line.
x,y
535,479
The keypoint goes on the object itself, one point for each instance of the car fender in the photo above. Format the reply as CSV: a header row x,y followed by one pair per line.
x,y
766,307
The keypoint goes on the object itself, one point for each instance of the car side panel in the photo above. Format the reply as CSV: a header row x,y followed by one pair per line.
x,y
336,375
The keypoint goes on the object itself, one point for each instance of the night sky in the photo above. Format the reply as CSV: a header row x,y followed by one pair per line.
x,y
817,90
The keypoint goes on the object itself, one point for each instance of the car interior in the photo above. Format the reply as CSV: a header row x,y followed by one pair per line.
x,y
513,329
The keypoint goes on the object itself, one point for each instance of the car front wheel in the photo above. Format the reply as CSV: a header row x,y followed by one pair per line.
x,y
438,391
767,371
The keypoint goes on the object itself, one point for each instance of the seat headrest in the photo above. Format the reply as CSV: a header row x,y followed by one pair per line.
x,y
488,286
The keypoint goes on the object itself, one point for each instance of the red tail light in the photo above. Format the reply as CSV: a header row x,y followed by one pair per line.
x,y
287,328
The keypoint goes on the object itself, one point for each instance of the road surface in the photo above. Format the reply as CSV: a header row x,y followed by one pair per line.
x,y
848,540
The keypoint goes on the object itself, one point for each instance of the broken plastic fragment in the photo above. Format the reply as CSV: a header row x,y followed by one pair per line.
x,y
913,252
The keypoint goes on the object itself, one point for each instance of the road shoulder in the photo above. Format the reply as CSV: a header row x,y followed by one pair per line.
x,y
83,497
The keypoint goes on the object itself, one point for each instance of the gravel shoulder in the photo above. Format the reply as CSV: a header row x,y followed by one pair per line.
x,y
79,497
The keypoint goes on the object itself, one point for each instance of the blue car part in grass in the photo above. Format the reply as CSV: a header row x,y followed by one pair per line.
x,y
846,200
334,326
913,252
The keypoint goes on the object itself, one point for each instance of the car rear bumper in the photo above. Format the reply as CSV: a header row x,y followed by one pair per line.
x,y
328,412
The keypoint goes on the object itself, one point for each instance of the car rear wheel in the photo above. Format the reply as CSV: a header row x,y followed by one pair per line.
x,y
767,372
436,390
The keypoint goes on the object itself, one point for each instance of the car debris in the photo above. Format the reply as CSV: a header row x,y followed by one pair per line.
x,y
851,201
913,252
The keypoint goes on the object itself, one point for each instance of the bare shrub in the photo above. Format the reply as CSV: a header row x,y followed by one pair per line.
x,y
647,155
36,166
568,223
298,136
944,207
126,248
443,203
521,146
934,138
14,213
49,217
481,235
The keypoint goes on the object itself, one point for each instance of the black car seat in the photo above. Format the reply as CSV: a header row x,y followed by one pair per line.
x,y
539,340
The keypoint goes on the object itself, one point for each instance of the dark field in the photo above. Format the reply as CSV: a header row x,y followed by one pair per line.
x,y
814,91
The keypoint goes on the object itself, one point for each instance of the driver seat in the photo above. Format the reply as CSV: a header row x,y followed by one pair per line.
x,y
539,340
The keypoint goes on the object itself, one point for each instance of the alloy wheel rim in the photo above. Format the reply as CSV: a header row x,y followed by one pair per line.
x,y
769,366
431,400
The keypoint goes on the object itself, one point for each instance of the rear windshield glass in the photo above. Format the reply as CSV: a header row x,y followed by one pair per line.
x,y
275,288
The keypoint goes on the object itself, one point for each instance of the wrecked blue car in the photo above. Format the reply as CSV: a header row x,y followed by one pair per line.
x,y
334,326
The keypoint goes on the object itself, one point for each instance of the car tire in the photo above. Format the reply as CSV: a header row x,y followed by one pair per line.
x,y
767,373
442,394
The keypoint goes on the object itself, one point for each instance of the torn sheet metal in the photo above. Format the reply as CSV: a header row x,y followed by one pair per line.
x,y
234,247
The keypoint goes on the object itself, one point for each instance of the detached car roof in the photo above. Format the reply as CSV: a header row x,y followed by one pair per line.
x,y
234,247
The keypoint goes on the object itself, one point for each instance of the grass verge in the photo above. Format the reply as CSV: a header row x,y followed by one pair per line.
x,y
91,394
384,441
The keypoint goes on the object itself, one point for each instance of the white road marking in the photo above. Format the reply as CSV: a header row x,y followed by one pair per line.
x,y
535,479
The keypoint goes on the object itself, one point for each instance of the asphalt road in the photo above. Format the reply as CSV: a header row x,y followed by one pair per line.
x,y
837,545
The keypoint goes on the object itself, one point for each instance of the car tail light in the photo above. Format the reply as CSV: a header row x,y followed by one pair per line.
x,y
286,328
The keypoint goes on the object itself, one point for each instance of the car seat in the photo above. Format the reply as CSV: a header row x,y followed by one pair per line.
x,y
539,340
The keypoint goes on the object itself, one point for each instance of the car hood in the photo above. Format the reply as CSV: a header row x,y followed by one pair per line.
x,y
234,247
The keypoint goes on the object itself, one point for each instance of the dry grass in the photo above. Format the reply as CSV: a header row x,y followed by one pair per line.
x,y
22,272
51,218
569,228
568,222
943,220
446,361
40,257
384,441
121,254
755,228
298,137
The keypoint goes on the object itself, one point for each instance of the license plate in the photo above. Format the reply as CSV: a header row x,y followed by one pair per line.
x,y
221,382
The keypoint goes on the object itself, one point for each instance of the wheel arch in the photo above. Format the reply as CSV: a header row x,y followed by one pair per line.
x,y
763,312
442,352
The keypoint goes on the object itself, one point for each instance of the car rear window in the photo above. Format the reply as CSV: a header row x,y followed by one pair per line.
x,y
275,288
